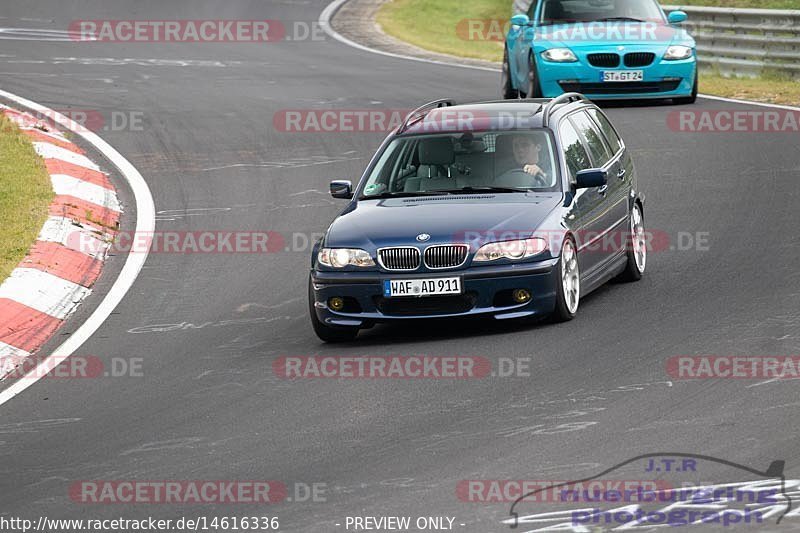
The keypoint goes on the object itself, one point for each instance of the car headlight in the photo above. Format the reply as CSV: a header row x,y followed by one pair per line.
x,y
559,55
521,249
675,53
342,257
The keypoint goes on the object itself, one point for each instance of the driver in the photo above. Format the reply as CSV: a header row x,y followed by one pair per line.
x,y
526,153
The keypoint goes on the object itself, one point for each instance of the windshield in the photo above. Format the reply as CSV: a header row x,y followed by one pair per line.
x,y
465,162
570,11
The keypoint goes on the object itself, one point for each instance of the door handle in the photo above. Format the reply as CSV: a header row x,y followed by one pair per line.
x,y
621,173
602,190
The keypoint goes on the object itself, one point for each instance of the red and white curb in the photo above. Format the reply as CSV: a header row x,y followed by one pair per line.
x,y
59,270
145,224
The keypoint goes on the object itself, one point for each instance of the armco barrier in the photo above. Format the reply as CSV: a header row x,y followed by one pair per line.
x,y
741,42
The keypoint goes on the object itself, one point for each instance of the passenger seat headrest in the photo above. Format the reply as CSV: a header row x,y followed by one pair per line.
x,y
437,151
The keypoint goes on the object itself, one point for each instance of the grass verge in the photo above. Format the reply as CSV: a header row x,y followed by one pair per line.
x,y
771,90
757,4
438,25
434,25
25,194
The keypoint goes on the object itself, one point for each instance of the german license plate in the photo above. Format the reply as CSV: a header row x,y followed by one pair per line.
x,y
421,287
622,75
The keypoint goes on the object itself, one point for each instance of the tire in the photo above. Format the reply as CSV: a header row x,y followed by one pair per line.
x,y
534,87
636,247
568,287
507,86
693,98
327,333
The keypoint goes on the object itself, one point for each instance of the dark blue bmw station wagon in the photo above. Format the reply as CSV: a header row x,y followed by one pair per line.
x,y
499,209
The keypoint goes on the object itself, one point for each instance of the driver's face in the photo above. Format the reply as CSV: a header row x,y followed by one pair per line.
x,y
526,152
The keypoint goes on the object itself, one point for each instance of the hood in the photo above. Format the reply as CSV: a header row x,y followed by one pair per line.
x,y
374,224
613,33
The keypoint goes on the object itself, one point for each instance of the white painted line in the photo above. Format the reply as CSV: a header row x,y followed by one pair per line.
x,y
51,151
145,223
95,194
748,102
83,239
325,23
43,291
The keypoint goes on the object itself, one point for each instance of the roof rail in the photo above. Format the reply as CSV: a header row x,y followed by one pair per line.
x,y
562,99
423,110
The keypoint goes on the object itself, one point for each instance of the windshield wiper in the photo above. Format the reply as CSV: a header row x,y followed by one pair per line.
x,y
608,19
402,194
473,190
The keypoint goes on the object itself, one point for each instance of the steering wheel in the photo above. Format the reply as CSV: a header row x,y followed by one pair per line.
x,y
517,174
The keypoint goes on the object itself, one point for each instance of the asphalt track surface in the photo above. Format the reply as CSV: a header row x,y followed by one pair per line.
x,y
208,405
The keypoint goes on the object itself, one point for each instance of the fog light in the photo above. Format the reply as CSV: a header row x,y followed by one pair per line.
x,y
521,296
336,303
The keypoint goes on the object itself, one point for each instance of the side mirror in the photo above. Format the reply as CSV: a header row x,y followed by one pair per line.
x,y
676,17
520,20
593,177
342,189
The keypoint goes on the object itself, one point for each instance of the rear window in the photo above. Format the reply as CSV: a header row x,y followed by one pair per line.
x,y
608,130
597,146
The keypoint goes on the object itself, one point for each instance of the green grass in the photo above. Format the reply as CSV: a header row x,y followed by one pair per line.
x,y
434,25
760,4
773,90
438,25
25,194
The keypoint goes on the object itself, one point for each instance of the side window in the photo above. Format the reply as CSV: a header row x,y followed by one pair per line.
x,y
532,9
597,146
608,130
574,153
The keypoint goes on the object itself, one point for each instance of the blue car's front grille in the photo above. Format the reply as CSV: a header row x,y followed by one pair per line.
x,y
446,256
604,60
639,59
399,258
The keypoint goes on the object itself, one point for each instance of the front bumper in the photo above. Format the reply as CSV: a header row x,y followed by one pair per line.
x,y
662,79
484,291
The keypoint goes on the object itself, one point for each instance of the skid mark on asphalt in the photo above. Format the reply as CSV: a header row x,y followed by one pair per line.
x,y
34,426
161,445
179,215
187,326
170,215
137,62
310,191
289,163
246,307
36,34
